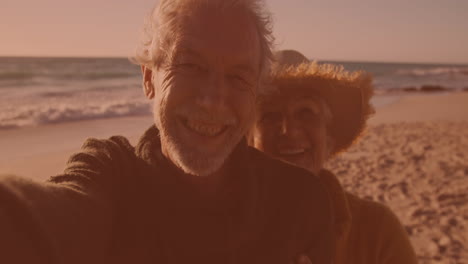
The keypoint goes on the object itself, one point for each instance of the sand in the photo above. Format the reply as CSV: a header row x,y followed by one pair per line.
x,y
414,158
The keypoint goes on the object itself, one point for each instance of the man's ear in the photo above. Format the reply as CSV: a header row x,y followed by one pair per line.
x,y
148,86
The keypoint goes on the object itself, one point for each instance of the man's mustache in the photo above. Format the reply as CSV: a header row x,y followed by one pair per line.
x,y
223,118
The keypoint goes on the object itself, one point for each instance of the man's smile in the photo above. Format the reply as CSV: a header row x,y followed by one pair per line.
x,y
203,128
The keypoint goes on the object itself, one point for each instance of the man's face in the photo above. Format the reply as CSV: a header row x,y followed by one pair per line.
x,y
293,129
204,100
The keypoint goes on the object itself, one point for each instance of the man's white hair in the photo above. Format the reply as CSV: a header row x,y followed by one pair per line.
x,y
161,29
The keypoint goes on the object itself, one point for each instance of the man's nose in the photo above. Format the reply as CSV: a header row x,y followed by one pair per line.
x,y
213,94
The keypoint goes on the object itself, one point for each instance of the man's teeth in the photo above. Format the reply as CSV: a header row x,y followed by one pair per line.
x,y
292,151
204,129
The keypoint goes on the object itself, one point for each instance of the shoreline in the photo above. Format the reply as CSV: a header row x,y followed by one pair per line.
x,y
41,152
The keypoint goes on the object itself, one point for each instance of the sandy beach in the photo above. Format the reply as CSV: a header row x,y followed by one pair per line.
x,y
413,157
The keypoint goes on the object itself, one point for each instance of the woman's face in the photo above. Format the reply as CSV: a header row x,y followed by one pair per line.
x,y
293,129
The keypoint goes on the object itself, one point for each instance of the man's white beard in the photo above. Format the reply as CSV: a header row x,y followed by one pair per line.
x,y
194,162
190,160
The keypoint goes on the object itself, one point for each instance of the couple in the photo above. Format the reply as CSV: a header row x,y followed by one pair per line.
x,y
192,190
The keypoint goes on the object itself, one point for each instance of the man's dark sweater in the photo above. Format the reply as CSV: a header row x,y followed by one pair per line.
x,y
119,204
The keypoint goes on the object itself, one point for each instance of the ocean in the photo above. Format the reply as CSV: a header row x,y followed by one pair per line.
x,y
39,91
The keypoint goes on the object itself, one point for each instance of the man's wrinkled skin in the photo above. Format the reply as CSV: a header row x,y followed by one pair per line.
x,y
204,96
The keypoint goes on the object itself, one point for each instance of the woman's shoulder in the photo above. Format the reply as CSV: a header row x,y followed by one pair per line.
x,y
362,208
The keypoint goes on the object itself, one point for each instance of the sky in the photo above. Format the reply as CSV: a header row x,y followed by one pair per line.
x,y
427,31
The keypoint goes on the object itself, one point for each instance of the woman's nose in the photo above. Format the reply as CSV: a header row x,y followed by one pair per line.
x,y
289,127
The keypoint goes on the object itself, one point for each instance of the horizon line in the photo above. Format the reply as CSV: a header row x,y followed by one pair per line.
x,y
315,59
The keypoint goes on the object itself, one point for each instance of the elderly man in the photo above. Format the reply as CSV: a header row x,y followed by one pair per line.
x,y
191,191
316,112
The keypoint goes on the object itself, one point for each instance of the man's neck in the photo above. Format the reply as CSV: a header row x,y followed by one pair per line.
x,y
209,185
206,185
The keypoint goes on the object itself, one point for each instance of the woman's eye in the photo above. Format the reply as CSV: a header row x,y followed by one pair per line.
x,y
306,113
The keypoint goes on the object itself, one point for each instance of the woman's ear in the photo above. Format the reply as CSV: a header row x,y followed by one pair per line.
x,y
148,86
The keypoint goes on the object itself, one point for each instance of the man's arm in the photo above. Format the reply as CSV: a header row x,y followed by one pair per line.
x,y
49,223
67,220
21,240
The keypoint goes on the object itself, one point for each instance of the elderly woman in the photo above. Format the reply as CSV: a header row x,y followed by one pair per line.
x,y
316,112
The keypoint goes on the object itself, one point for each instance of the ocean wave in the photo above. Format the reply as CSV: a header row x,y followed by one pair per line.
x,y
56,94
420,89
92,76
20,76
97,91
16,75
16,84
434,71
113,87
41,115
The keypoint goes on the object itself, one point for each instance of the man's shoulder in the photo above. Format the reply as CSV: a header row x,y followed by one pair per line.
x,y
115,145
98,161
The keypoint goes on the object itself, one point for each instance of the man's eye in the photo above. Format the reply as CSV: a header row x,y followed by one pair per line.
x,y
238,78
241,80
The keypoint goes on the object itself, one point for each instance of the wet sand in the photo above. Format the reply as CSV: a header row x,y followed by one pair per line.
x,y
41,152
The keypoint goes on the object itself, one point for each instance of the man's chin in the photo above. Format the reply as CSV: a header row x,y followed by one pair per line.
x,y
201,157
200,165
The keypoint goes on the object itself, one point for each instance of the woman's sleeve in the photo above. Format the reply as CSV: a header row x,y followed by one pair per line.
x,y
394,244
